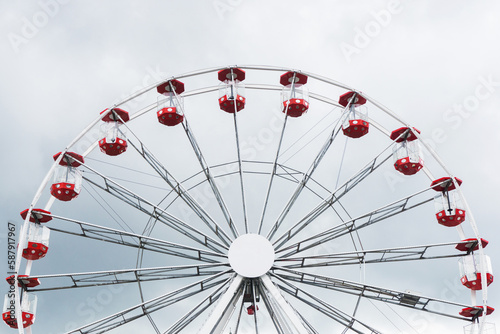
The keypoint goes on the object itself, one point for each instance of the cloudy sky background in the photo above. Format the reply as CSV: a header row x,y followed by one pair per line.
x,y
434,64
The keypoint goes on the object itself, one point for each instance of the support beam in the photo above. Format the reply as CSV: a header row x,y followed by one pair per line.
x,y
326,308
273,172
179,189
210,177
303,183
138,311
290,313
129,239
153,210
108,277
346,227
396,254
218,318
331,200
406,299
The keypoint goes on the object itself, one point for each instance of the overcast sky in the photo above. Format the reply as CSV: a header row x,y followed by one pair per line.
x,y
436,64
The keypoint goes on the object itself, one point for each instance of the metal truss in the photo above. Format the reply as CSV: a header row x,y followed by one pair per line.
x,y
346,227
108,277
135,312
153,211
178,188
331,200
406,299
129,239
397,254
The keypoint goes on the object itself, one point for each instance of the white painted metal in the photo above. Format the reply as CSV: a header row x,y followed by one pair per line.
x,y
251,255
217,320
283,305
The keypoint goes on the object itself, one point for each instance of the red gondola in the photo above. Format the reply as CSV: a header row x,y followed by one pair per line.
x,y
294,94
355,124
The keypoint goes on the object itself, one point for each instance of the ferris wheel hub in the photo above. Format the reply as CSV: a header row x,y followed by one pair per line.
x,y
251,255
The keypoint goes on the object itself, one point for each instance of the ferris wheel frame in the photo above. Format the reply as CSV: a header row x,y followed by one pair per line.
x,y
223,302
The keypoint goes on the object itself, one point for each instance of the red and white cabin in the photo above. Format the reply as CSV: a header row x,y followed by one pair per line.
x,y
471,244
231,91
476,311
23,280
171,87
169,115
355,124
449,208
407,155
67,178
37,243
28,309
169,107
294,94
470,271
113,140
37,215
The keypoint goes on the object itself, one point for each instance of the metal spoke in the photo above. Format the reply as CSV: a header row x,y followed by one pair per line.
x,y
238,321
408,253
240,171
332,199
210,178
308,324
279,319
324,307
349,226
289,316
273,313
138,311
129,239
219,316
153,211
302,184
196,311
401,298
353,314
254,295
238,151
100,278
179,189
273,172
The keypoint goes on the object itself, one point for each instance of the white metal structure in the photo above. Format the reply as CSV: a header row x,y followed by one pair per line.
x,y
249,221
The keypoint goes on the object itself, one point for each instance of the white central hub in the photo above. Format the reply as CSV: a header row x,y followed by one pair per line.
x,y
251,255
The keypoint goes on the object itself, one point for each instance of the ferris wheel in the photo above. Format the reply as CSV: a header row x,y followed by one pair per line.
x,y
249,199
